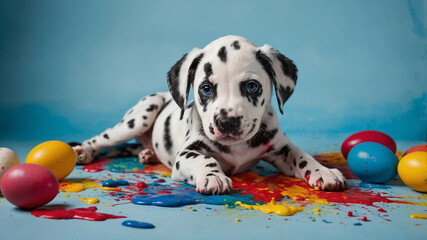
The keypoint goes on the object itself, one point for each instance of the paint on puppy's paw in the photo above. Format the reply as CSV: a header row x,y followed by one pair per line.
x,y
214,184
327,180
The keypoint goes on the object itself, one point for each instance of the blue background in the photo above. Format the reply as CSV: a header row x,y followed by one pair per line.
x,y
70,69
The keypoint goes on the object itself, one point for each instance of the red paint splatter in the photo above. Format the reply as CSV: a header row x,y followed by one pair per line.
x,y
264,189
88,214
350,214
365,219
141,185
98,166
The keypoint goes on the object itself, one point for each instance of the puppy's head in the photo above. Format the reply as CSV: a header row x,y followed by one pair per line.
x,y
232,82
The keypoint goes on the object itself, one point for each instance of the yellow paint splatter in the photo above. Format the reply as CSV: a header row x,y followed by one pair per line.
x,y
237,220
78,185
418,215
272,207
89,200
66,195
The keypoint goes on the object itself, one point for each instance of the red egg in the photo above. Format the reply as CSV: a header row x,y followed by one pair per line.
x,y
367,136
417,148
29,185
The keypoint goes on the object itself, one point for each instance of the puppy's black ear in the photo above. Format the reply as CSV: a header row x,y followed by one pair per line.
x,y
181,76
281,70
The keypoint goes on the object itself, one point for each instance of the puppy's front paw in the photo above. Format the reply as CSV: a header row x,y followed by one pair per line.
x,y
83,156
326,179
214,183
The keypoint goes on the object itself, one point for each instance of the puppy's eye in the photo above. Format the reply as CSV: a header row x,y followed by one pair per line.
x,y
253,86
206,89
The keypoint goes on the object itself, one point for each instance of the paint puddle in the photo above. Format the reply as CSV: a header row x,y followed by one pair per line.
x,y
88,214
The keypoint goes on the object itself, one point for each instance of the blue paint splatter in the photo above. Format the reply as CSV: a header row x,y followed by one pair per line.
x,y
113,183
186,195
371,185
357,224
136,224
169,200
325,221
125,165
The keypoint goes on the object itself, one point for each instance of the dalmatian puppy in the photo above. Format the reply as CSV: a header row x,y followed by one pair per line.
x,y
228,128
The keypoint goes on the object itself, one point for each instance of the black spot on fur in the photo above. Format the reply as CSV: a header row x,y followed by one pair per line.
x,y
222,148
262,136
198,146
211,165
177,165
236,45
211,130
222,54
210,174
106,136
152,108
302,164
169,162
307,174
288,67
156,145
284,151
166,135
266,63
262,102
131,123
252,128
145,125
144,117
191,177
207,157
284,93
192,154
94,140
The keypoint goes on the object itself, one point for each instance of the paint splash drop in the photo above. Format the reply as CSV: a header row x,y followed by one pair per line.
x,y
137,224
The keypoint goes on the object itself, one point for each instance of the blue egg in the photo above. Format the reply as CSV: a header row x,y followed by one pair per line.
x,y
372,162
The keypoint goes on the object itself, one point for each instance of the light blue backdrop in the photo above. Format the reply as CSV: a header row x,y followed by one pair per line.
x,y
69,69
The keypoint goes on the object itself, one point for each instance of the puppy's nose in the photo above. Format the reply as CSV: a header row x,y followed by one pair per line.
x,y
228,124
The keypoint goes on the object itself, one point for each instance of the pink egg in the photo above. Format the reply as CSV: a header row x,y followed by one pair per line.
x,y
29,185
367,136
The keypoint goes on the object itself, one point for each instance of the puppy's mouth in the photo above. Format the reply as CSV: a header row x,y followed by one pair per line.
x,y
227,138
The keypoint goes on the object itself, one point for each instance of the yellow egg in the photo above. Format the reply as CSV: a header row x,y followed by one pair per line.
x,y
412,170
57,156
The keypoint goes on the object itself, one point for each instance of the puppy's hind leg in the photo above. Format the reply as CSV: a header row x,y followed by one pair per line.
x,y
135,123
